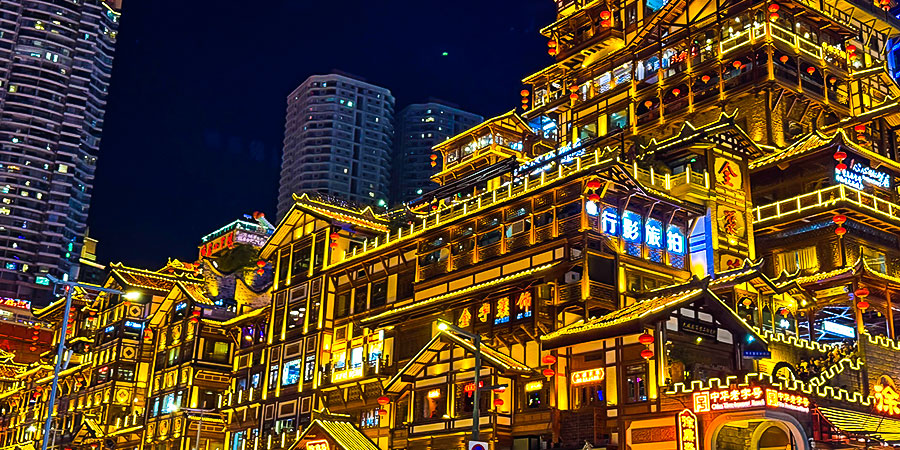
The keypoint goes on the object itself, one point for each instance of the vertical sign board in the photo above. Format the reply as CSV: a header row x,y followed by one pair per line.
x,y
688,430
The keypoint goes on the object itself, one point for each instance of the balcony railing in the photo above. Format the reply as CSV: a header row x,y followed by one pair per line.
x,y
825,198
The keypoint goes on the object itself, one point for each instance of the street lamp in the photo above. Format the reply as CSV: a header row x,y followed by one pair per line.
x,y
70,286
173,408
476,341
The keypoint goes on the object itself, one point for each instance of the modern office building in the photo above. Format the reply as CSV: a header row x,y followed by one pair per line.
x,y
420,127
337,140
55,66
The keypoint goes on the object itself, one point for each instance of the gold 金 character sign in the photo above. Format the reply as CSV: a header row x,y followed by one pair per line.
x,y
728,174
465,318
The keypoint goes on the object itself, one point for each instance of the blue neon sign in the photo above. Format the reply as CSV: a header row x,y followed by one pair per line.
x,y
675,240
654,233
609,222
631,227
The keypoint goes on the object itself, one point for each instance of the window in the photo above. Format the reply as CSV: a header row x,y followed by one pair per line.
x,y
465,397
405,285
273,376
216,351
874,259
489,238
800,259
379,293
125,372
360,302
431,403
342,305
174,354
636,383
291,373
369,418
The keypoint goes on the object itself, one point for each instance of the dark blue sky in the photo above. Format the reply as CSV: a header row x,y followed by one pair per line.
x,y
195,118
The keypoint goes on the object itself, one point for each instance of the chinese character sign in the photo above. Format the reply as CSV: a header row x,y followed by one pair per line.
x,y
631,227
887,400
654,231
484,312
728,174
502,315
523,305
731,222
688,431
465,318
747,397
675,240
609,222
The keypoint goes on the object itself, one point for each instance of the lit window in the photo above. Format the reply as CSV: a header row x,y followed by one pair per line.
x,y
800,259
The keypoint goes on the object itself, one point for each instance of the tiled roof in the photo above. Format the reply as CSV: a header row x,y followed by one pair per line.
x,y
815,141
146,279
345,434
637,316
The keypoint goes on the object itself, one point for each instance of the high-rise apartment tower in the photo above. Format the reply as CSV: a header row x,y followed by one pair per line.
x,y
337,141
55,65
420,127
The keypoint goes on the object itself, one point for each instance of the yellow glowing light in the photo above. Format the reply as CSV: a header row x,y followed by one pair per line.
x,y
434,393
534,386
588,376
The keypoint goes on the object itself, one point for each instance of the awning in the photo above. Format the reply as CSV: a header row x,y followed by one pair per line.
x,y
491,356
344,434
864,424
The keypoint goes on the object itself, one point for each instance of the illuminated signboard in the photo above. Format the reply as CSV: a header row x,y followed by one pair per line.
x,y
317,445
434,393
465,318
587,376
502,315
609,222
887,400
631,227
654,232
838,329
675,240
858,175
534,386
7,302
523,305
253,239
547,161
218,244
348,374
688,431
748,397
470,387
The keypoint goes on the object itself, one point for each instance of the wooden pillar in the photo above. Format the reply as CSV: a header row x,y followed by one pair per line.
x,y
890,312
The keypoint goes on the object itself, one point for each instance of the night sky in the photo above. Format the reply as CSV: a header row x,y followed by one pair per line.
x,y
195,117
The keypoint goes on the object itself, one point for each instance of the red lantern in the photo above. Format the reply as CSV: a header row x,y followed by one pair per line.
x,y
573,96
433,163
32,348
648,104
434,157
383,400
784,312
382,412
862,305
261,271
851,55
851,48
498,402
886,7
434,207
840,155
548,359
840,231
832,80
841,166
810,70
605,15
705,78
148,335
606,23
736,64
260,263
334,235
783,59
524,92
551,44
774,7
862,292
593,184
196,312
37,326
646,338
594,197
859,128
194,320
333,244
839,219
861,137
551,51
773,16
676,92
646,353
548,372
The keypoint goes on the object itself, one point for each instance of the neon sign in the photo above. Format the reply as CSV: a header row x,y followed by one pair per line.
x,y
348,374
534,386
654,232
748,397
588,376
317,445
858,175
502,315
609,222
470,387
631,227
15,303
887,400
688,435
523,303
675,240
